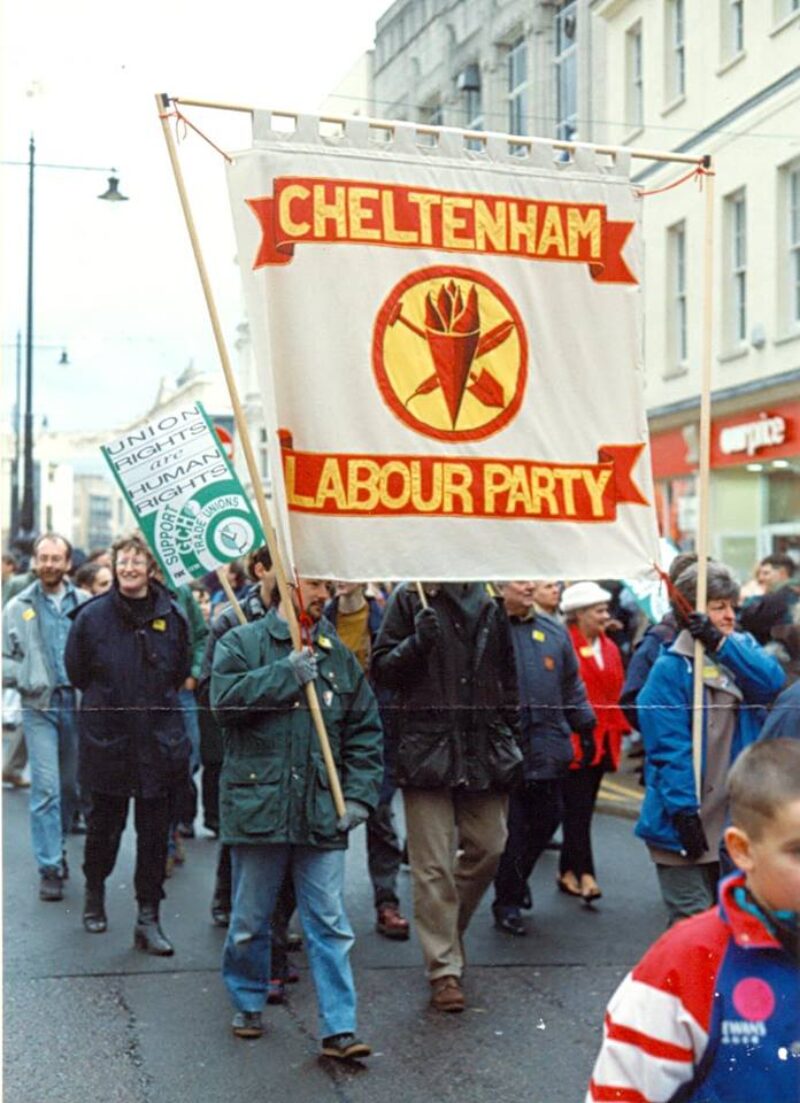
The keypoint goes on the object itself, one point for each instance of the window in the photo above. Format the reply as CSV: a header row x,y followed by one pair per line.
x,y
634,108
566,66
737,252
263,454
678,305
518,90
737,26
469,84
793,196
676,51
732,28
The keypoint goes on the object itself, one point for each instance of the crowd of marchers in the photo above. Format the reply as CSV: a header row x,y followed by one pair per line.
x,y
495,708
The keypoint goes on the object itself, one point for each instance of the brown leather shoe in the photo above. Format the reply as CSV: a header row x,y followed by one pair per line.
x,y
447,994
17,780
391,924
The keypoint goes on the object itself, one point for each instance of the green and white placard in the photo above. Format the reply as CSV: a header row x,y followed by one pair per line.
x,y
184,493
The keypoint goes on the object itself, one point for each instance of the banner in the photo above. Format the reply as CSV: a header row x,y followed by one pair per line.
x,y
187,500
447,342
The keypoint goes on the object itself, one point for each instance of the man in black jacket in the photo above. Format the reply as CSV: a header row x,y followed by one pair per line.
x,y
553,705
128,652
454,721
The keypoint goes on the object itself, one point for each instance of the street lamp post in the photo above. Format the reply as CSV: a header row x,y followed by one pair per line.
x,y
24,534
25,527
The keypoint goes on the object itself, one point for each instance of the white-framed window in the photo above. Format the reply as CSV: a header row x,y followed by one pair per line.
x,y
634,82
566,70
469,87
793,219
678,301
736,211
732,28
517,89
676,50
782,9
263,454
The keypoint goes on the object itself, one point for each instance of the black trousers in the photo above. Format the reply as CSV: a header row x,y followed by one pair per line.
x,y
107,816
534,813
580,796
384,854
210,790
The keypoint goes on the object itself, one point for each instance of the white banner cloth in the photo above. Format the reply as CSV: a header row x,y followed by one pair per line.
x,y
449,344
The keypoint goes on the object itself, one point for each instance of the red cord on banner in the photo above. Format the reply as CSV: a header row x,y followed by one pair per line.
x,y
695,174
182,121
304,620
676,596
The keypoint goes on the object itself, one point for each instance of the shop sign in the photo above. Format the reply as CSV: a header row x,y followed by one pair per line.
x,y
751,436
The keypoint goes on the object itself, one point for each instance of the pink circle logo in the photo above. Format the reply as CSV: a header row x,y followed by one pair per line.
x,y
754,999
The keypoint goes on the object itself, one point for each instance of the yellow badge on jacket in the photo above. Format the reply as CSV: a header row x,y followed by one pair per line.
x,y
159,625
29,614
587,652
538,636
323,641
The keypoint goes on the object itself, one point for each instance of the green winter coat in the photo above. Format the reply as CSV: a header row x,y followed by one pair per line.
x,y
273,786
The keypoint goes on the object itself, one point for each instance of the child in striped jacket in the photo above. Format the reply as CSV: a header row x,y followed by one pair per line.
x,y
712,1011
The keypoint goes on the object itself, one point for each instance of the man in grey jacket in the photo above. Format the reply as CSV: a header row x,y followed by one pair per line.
x,y
36,624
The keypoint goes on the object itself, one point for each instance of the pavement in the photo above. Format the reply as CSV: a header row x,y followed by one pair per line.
x,y
621,793
88,1018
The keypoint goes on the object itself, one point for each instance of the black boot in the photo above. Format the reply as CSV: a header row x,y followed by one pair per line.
x,y
94,910
221,900
147,934
220,908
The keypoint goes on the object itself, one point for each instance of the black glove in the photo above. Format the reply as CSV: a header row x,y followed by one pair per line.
x,y
701,628
427,629
588,746
691,834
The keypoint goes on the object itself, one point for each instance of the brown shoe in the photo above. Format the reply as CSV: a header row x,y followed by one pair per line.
x,y
447,994
391,924
17,780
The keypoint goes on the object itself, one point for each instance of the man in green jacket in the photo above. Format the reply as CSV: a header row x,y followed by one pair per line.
x,y
276,808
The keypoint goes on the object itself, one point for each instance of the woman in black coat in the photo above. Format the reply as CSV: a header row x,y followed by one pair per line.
x,y
128,652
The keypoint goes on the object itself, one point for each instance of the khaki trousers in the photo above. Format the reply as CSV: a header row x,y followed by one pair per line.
x,y
455,841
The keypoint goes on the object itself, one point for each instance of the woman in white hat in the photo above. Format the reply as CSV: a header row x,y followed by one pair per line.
x,y
586,607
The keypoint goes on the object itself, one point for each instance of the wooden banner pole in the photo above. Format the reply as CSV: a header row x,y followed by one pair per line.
x,y
163,107
225,583
421,593
703,473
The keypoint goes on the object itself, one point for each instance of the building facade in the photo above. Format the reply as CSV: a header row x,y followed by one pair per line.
x,y
75,491
716,77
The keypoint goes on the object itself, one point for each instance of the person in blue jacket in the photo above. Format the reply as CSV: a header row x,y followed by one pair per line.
x,y
656,638
783,721
684,833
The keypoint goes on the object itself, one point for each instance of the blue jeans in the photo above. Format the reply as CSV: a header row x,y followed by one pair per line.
x,y
318,880
52,739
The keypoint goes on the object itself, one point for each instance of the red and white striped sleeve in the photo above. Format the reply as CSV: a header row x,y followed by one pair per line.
x,y
656,1024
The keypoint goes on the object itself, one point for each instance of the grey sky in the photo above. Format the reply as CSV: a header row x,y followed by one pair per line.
x,y
115,283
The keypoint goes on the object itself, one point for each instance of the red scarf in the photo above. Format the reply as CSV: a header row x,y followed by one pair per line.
x,y
603,688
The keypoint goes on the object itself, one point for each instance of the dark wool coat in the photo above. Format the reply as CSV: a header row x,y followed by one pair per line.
x,y
130,664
